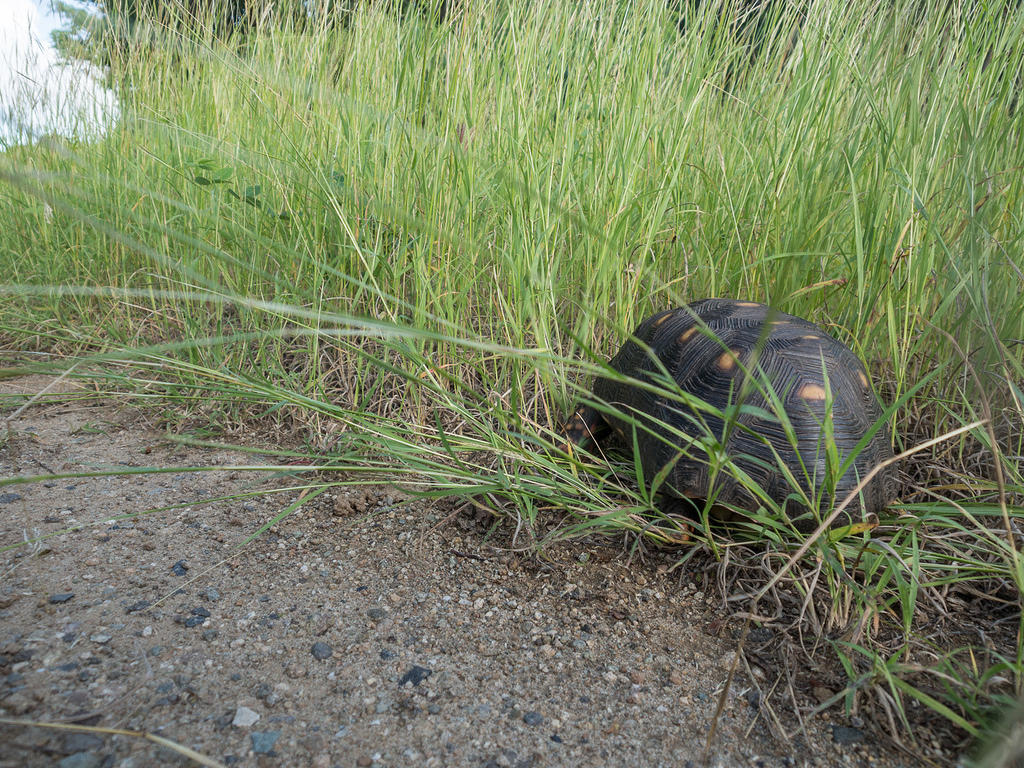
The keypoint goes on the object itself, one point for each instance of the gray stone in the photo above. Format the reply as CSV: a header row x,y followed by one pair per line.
x,y
263,741
82,742
80,760
843,734
321,651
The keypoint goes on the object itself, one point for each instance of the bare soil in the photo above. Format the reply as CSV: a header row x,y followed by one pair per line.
x,y
366,629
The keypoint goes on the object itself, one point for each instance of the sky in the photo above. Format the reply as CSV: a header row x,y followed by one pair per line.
x,y
39,92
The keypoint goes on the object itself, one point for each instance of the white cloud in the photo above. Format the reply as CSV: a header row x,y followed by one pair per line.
x,y
40,93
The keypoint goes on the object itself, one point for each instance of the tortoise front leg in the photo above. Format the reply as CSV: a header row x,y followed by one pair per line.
x,y
585,427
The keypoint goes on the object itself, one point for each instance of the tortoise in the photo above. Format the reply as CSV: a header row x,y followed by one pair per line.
x,y
728,353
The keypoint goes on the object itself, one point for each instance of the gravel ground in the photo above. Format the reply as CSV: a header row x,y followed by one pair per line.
x,y
367,629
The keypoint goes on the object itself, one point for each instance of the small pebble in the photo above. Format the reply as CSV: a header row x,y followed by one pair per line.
x,y
415,675
321,651
822,694
7,498
533,718
263,741
63,597
80,760
82,742
179,568
843,734
245,717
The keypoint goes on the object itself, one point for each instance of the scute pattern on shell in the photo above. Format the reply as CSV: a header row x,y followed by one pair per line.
x,y
709,348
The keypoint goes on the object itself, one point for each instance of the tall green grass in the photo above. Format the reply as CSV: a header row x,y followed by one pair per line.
x,y
417,241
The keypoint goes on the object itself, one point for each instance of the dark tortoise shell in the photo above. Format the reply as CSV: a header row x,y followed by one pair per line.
x,y
745,360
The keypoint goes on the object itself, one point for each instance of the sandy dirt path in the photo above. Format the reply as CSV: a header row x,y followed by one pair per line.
x,y
367,629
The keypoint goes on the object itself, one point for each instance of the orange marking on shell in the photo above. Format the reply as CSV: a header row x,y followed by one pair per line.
x,y
747,304
685,336
812,392
863,379
727,361
811,336
662,319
